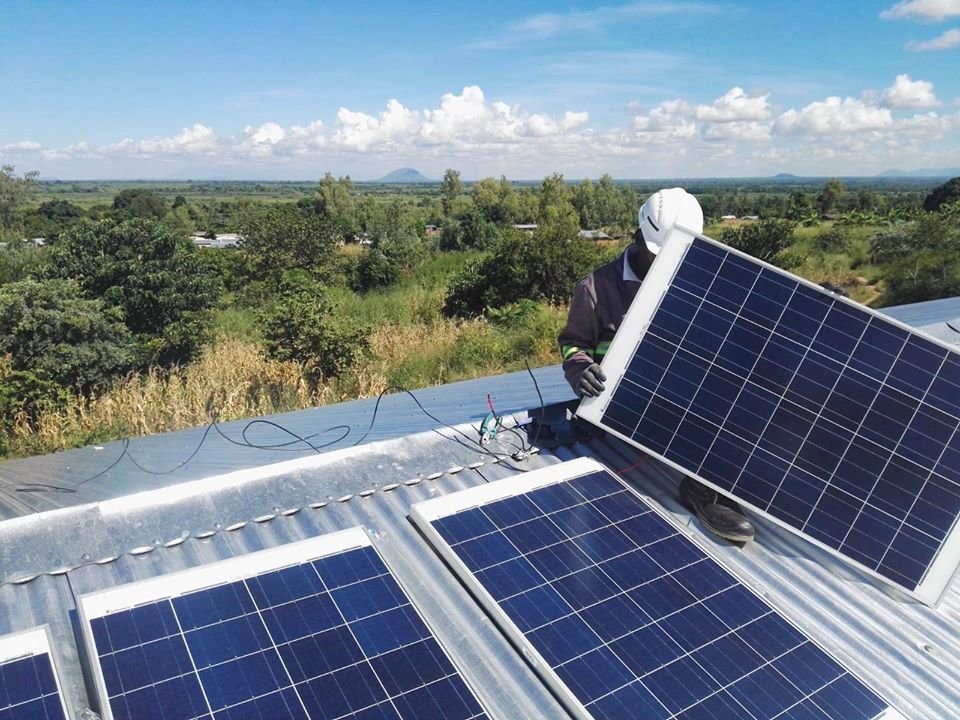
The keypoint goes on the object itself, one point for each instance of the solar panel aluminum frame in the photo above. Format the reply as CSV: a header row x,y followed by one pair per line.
x,y
946,565
124,597
27,643
426,512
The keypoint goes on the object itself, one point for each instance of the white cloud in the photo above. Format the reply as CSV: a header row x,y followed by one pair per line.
x,y
749,131
197,139
909,94
22,146
948,40
925,10
735,105
833,116
361,132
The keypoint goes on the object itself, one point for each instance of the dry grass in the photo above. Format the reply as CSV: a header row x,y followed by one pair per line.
x,y
238,381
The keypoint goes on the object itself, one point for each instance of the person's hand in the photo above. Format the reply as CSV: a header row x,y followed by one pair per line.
x,y
591,382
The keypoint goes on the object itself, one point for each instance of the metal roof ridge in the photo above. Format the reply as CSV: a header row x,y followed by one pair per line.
x,y
107,509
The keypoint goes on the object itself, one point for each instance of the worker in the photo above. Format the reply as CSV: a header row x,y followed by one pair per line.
x,y
598,307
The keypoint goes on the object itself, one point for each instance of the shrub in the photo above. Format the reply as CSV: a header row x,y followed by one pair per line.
x,y
832,239
919,260
520,267
373,271
150,274
766,240
50,330
303,326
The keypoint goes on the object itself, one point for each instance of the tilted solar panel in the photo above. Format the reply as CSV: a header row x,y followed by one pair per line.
x,y
828,417
315,629
29,687
624,616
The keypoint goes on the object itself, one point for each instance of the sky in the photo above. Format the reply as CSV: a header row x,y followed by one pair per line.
x,y
292,89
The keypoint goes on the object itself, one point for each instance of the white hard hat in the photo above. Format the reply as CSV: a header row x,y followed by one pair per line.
x,y
664,209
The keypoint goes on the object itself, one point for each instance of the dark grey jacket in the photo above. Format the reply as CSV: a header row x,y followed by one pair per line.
x,y
596,311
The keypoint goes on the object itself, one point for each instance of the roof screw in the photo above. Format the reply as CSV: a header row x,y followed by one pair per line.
x,y
85,557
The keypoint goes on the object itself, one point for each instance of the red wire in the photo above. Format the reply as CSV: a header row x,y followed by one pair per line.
x,y
628,468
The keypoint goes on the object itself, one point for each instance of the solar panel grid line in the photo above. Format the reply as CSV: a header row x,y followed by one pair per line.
x,y
830,388
430,514
756,446
29,681
317,628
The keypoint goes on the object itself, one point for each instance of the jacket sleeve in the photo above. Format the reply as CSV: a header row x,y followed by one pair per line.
x,y
580,336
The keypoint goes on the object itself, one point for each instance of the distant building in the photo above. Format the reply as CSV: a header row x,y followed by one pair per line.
x,y
526,227
594,235
728,218
751,217
213,240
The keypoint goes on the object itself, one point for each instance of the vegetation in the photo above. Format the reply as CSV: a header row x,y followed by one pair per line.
x,y
118,325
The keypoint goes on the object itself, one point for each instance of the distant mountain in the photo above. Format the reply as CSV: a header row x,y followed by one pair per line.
x,y
406,176
785,176
923,173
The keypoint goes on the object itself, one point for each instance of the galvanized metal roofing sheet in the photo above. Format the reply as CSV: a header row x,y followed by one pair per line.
x,y
126,525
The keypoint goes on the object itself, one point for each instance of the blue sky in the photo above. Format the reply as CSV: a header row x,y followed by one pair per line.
x,y
293,89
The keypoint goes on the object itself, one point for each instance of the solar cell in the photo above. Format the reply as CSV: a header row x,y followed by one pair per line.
x,y
315,629
622,614
29,688
826,416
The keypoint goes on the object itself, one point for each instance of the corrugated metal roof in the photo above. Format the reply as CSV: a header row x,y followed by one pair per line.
x,y
127,525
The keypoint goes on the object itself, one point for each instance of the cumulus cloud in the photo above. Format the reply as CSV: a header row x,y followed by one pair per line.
x,y
672,118
22,146
361,132
748,131
833,116
909,94
925,10
948,40
197,139
735,105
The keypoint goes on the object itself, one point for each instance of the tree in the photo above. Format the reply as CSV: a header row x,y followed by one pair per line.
x,y
942,194
830,195
140,203
521,267
303,326
51,331
334,199
766,240
585,203
450,187
286,237
150,274
14,192
919,260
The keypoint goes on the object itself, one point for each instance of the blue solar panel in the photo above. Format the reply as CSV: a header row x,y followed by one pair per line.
x,y
330,637
631,618
826,416
28,682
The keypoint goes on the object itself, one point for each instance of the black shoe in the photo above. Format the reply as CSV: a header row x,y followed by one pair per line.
x,y
719,514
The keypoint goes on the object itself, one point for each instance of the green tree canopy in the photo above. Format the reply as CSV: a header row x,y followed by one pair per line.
x,y
942,194
830,195
286,237
302,326
150,274
767,240
14,192
450,187
521,267
50,330
919,260
141,203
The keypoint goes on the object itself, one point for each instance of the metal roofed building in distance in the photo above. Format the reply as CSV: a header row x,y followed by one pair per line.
x,y
94,528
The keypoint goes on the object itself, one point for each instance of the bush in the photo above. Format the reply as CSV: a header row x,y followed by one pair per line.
x,y
50,330
832,240
150,274
942,195
23,393
521,267
303,326
919,260
766,240
373,271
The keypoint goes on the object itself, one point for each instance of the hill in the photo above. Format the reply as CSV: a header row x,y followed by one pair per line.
x,y
923,172
405,176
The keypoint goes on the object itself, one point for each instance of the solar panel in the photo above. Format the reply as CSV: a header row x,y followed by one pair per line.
x,y
314,629
826,416
29,688
624,616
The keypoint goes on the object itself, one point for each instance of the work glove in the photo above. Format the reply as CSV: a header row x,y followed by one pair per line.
x,y
591,382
